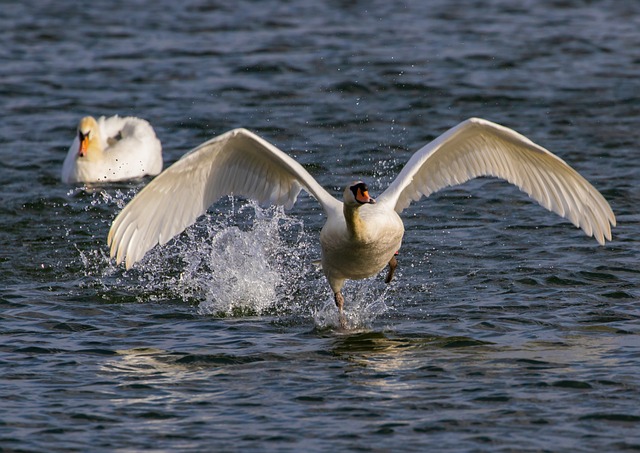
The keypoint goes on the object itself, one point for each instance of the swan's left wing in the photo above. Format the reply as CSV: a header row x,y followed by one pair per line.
x,y
478,147
237,162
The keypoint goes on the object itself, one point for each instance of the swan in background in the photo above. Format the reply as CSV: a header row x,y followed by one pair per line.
x,y
361,235
112,149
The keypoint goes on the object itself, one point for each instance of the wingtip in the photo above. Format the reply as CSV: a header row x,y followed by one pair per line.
x,y
110,237
128,262
604,236
114,253
111,244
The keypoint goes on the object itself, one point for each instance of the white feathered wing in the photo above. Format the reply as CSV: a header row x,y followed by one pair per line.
x,y
478,147
237,162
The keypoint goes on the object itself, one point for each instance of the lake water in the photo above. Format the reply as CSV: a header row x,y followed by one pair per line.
x,y
506,328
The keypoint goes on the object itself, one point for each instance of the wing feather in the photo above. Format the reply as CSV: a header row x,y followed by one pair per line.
x,y
478,147
237,162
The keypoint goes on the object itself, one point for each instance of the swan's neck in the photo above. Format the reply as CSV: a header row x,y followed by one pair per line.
x,y
94,149
355,224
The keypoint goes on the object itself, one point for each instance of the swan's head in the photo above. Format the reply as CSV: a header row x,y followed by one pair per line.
x,y
88,136
357,194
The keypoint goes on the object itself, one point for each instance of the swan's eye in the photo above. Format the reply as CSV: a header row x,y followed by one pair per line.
x,y
361,193
355,189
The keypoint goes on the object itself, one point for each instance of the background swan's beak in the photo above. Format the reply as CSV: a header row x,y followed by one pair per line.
x,y
84,144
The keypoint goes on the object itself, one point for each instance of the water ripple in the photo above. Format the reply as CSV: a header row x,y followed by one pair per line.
x,y
505,330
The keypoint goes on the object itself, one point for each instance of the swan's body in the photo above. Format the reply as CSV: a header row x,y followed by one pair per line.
x,y
359,243
361,235
112,149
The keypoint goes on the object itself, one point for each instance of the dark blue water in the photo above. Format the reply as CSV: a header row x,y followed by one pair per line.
x,y
506,329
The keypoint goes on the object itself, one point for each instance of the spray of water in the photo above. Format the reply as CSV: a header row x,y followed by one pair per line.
x,y
246,261
237,271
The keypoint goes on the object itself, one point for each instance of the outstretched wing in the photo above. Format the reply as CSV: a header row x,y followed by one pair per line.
x,y
478,147
237,162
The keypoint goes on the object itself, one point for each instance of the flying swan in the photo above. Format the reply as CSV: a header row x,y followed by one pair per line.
x,y
112,149
361,235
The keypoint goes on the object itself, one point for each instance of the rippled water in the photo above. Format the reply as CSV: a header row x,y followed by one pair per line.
x,y
506,329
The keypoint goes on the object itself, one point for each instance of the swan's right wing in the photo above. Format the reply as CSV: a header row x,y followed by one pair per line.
x,y
478,147
235,163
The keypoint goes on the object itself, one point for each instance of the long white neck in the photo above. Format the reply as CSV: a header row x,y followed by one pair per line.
x,y
355,224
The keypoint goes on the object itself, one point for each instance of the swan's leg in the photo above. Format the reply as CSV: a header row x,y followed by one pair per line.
x,y
393,263
340,304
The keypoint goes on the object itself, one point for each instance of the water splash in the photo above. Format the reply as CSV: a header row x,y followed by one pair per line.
x,y
245,271
365,301
239,261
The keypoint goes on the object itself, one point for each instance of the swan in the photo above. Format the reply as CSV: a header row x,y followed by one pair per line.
x,y
112,149
361,235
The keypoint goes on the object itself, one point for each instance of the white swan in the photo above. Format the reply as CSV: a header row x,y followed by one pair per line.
x,y
112,149
361,235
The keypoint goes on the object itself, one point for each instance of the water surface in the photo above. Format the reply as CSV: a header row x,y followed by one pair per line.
x,y
506,329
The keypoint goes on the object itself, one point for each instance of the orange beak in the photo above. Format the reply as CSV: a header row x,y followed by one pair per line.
x,y
84,144
363,197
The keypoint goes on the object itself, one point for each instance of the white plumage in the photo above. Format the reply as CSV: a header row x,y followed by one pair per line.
x,y
112,149
361,235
